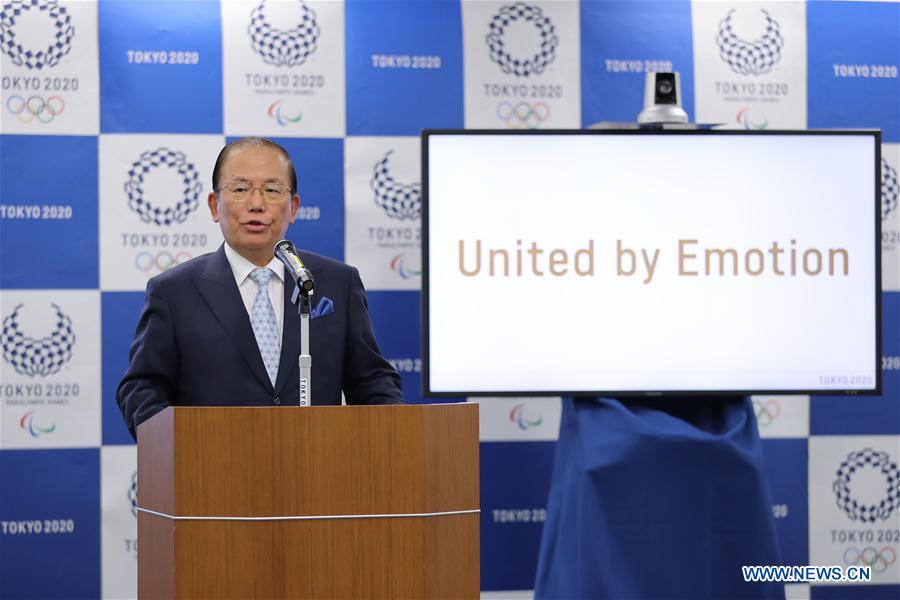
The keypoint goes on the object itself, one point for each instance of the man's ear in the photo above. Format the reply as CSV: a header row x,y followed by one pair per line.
x,y
213,202
295,204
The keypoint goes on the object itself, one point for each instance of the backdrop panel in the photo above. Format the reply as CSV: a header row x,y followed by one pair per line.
x,y
111,116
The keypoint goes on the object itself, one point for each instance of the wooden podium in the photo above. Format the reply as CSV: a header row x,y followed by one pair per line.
x,y
320,502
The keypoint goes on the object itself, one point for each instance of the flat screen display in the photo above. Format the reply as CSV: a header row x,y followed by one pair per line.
x,y
634,262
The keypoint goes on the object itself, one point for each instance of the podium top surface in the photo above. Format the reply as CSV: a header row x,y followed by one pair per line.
x,y
280,462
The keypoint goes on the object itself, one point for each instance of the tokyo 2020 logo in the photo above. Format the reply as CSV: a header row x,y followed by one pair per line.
x,y
37,357
890,189
190,191
755,57
398,200
59,45
522,66
843,487
284,47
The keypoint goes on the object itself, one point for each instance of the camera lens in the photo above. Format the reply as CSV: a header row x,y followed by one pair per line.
x,y
665,87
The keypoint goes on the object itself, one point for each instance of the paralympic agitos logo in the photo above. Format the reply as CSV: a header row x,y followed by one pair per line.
x,y
37,357
35,58
524,421
399,265
522,66
27,423
750,57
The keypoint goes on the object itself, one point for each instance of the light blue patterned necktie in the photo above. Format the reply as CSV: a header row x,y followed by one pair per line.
x,y
265,325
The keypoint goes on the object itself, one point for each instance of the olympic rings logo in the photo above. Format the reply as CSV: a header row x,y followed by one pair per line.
x,y
153,264
879,560
523,114
35,107
766,412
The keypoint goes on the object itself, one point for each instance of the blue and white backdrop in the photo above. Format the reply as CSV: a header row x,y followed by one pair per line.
x,y
112,115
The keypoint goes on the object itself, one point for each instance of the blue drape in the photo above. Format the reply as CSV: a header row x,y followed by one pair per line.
x,y
657,498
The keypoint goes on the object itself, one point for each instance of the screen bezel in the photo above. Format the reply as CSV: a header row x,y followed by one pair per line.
x,y
425,296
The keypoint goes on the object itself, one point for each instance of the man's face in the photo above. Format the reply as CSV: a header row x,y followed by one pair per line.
x,y
252,226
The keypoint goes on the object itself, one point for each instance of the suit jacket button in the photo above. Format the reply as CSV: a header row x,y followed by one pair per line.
x,y
276,400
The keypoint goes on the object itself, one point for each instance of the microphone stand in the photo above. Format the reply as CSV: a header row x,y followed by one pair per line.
x,y
300,297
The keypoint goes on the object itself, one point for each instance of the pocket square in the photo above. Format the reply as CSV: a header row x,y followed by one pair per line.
x,y
324,307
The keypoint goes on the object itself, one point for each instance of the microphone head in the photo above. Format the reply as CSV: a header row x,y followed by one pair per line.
x,y
285,245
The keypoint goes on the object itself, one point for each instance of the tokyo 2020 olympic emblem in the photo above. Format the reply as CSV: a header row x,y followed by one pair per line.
x,y
284,47
867,458
399,201
755,57
37,356
516,65
190,193
59,45
890,189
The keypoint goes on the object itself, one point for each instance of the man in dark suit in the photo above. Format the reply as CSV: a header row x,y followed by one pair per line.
x,y
221,330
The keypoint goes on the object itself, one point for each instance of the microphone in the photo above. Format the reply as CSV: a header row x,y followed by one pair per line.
x,y
287,254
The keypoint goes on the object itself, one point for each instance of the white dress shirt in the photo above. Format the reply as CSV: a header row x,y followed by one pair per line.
x,y
241,268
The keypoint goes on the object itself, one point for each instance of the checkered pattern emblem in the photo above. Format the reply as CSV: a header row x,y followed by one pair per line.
x,y
756,57
265,326
522,66
132,493
60,43
856,510
190,192
890,189
37,356
280,47
399,201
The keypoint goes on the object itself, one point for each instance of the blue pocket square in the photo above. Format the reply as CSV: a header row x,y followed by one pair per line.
x,y
325,307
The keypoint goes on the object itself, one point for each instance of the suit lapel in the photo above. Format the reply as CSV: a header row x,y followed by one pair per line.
x,y
219,290
290,337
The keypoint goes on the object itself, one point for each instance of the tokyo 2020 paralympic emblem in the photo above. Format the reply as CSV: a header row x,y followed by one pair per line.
x,y
867,458
132,493
515,65
890,189
284,47
60,44
756,57
190,193
398,200
37,356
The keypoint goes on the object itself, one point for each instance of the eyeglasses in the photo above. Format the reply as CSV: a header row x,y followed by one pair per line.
x,y
241,191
